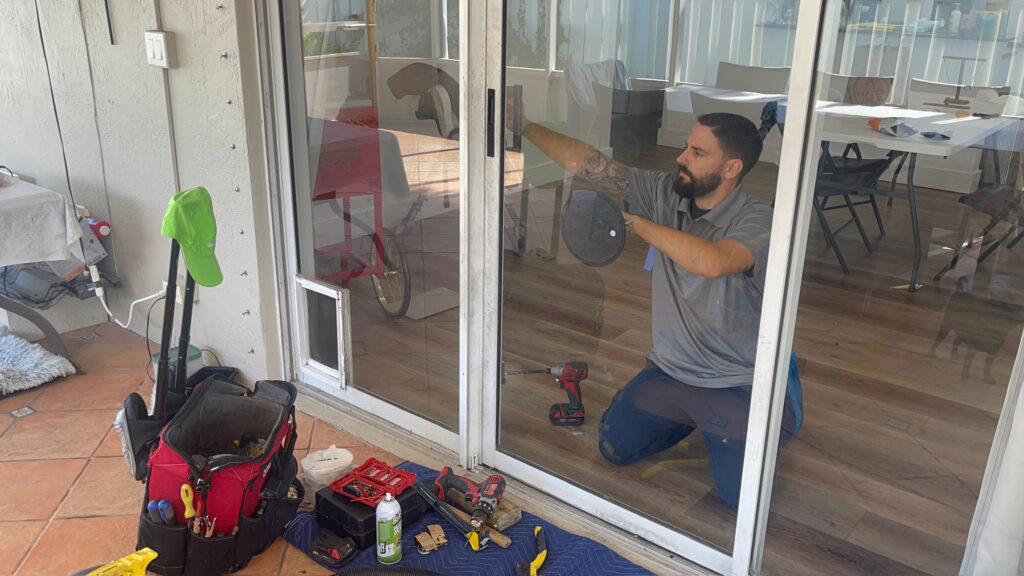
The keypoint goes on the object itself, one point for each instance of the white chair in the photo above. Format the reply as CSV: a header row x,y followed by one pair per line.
x,y
589,99
766,80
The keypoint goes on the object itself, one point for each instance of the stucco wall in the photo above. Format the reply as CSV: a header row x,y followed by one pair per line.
x,y
124,122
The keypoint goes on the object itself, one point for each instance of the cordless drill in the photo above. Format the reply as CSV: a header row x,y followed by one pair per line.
x,y
568,375
485,497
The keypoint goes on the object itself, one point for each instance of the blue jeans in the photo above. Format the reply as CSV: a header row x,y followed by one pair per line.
x,y
654,412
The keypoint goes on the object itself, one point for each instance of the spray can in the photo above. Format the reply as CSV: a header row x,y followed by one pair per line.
x,y
389,530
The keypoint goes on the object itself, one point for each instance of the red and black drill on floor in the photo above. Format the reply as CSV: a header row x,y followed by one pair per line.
x,y
568,375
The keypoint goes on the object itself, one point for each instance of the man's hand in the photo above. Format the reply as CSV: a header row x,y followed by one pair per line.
x,y
628,220
510,116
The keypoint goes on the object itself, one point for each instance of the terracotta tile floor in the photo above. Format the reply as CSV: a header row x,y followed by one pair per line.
x,y
69,502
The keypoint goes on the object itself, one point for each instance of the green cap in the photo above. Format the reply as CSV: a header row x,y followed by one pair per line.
x,y
189,220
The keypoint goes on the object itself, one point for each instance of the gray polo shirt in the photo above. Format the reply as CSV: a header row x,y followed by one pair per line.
x,y
704,330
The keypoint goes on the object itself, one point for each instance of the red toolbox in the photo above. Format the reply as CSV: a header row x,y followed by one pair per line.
x,y
371,480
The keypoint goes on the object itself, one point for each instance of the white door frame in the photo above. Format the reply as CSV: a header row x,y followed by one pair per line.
x,y
790,225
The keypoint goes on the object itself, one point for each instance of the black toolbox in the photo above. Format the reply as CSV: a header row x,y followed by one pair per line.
x,y
344,517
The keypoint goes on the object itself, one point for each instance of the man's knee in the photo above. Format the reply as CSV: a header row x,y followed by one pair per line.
x,y
612,445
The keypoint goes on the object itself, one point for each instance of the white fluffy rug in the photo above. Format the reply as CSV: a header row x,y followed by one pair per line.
x,y
24,365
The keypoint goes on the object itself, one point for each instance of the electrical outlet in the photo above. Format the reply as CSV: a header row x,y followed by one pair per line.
x,y
179,291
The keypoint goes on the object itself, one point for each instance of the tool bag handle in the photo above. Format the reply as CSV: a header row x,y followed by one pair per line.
x,y
160,398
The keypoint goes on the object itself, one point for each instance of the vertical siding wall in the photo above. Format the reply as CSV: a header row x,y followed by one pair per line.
x,y
123,122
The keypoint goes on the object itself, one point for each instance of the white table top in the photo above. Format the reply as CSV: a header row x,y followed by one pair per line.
x,y
846,123
36,225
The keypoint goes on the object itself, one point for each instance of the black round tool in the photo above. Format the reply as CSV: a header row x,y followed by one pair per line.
x,y
593,228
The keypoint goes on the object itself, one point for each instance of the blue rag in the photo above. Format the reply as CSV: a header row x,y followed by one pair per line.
x,y
568,554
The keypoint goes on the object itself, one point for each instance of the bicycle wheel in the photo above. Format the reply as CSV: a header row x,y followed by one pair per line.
x,y
394,285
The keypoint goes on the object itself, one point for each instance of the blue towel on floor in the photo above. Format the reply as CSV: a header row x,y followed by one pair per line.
x,y
568,554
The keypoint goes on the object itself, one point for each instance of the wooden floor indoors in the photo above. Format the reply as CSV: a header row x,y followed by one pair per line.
x,y
900,407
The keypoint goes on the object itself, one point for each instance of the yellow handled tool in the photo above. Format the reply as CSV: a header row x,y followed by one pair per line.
x,y
133,564
186,498
532,567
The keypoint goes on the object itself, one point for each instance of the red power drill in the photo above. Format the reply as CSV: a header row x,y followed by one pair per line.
x,y
568,375
485,497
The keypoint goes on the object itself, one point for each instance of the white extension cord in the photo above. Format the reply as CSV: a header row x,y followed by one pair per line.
x,y
94,274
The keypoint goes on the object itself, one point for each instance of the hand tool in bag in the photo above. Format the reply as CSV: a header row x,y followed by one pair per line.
x,y
476,540
485,497
133,564
531,568
166,512
187,495
154,512
568,375
160,512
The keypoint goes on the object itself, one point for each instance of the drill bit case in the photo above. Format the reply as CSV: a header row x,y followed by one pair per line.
x,y
344,517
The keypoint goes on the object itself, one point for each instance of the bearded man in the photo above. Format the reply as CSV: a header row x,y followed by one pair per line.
x,y
711,242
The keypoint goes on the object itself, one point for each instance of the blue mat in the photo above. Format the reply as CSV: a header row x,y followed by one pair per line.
x,y
568,554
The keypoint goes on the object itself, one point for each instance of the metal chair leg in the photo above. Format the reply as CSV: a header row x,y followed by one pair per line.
x,y
856,220
830,239
878,215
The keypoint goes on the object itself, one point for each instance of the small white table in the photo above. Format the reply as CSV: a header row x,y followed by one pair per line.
x,y
845,124
36,225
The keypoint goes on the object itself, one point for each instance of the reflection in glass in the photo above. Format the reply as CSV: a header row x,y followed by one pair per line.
x,y
381,217
911,305
403,28
611,91
636,32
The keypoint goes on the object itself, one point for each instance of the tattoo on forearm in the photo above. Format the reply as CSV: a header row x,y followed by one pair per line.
x,y
604,172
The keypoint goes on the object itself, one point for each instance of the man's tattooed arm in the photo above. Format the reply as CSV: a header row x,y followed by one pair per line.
x,y
607,174
581,159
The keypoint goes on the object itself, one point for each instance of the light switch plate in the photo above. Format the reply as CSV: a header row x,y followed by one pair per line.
x,y
159,48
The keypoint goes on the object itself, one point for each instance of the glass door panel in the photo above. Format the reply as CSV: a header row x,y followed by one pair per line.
x,y
380,217
911,302
610,75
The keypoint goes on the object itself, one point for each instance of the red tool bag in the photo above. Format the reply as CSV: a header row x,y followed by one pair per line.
x,y
230,450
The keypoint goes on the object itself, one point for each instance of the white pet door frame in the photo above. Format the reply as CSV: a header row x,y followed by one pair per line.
x,y
309,366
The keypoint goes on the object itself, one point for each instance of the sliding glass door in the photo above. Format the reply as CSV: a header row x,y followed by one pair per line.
x,y
910,311
375,122
578,289
464,267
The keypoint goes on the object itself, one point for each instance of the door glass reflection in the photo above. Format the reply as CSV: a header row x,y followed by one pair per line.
x,y
601,103
911,301
382,108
